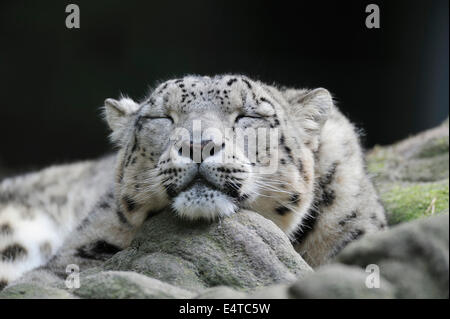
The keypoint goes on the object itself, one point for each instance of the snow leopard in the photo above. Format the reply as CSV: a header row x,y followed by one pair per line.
x,y
317,190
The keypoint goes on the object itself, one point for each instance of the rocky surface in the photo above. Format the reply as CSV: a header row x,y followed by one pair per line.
x,y
170,258
412,261
412,176
247,256
244,251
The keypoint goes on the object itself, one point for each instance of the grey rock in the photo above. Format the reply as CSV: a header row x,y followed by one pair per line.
x,y
34,290
412,176
412,260
420,158
171,258
126,285
244,251
413,257
41,276
339,282
221,292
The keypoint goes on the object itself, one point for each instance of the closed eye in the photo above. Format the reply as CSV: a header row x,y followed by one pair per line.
x,y
240,117
159,118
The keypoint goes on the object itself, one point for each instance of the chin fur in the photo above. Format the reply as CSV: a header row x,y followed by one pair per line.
x,y
206,205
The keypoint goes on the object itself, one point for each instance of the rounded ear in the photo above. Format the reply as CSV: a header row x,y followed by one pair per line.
x,y
316,105
117,113
310,107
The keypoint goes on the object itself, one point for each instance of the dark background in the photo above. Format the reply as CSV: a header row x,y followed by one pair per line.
x,y
392,82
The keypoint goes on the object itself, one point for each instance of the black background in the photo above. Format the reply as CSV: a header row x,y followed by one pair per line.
x,y
392,82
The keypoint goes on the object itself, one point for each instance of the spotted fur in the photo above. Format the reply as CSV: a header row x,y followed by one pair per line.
x,y
318,193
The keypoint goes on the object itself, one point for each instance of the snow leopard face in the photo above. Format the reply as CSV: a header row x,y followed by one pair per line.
x,y
207,147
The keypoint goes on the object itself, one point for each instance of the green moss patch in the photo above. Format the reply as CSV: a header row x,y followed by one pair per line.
x,y
405,203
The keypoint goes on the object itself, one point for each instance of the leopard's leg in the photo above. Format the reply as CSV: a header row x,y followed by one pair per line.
x,y
39,211
28,239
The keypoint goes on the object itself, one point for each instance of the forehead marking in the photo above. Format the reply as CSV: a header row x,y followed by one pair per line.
x,y
213,91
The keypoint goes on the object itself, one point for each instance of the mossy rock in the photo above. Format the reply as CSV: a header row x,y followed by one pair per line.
x,y
412,176
411,201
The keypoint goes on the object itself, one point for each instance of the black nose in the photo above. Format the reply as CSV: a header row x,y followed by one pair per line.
x,y
198,152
